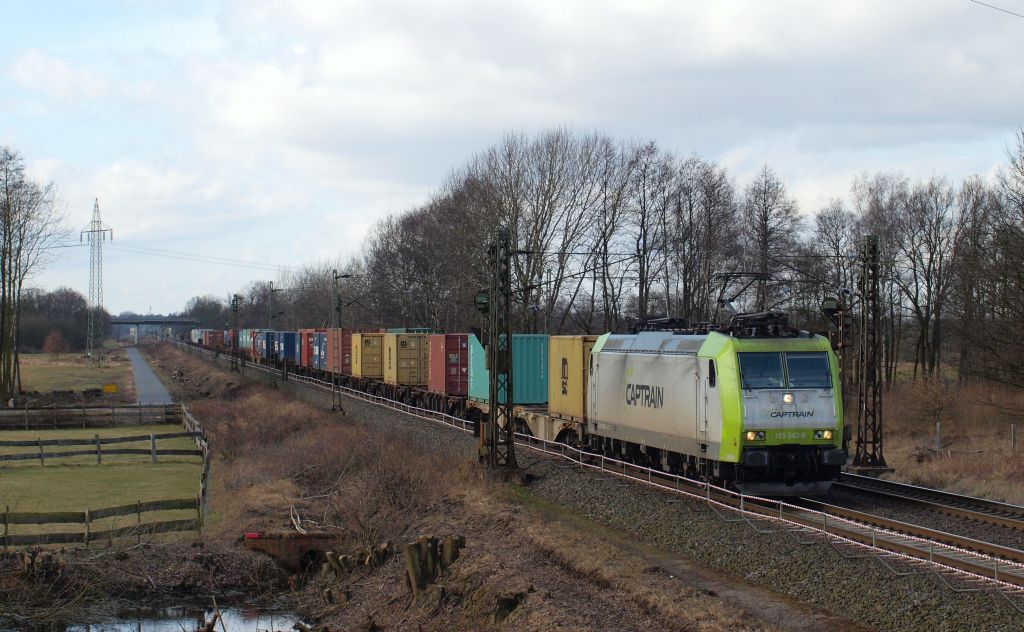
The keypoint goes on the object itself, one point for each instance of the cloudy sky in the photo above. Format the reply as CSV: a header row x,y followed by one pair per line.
x,y
276,131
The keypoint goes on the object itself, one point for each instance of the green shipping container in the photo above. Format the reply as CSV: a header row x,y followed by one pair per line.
x,y
529,369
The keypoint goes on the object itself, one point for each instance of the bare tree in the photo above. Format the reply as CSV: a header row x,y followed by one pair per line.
x,y
772,223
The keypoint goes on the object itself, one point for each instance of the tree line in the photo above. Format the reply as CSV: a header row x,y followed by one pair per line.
x,y
610,234
30,226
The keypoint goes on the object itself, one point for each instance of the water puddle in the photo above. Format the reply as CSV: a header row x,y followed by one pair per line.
x,y
178,619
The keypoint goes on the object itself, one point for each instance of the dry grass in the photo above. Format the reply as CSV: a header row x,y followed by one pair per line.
x,y
45,373
275,454
973,455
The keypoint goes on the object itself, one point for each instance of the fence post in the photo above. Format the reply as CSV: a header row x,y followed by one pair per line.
x,y
99,450
199,514
152,446
140,412
138,521
55,415
83,416
26,415
42,460
7,510
87,527
113,418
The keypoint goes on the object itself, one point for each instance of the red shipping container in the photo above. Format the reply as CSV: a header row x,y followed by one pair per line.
x,y
215,339
306,346
449,364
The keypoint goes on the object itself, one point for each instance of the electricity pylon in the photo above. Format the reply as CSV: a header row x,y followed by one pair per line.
x,y
96,233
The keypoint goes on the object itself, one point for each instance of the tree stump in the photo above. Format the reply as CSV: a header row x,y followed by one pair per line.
x,y
425,560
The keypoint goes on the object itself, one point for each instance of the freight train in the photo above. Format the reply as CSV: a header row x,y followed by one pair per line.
x,y
753,404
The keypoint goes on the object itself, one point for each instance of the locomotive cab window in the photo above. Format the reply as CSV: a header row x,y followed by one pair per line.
x,y
711,373
808,370
761,370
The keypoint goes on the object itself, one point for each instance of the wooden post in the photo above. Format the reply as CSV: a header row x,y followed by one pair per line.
x,y
99,450
199,515
152,446
7,510
138,521
140,413
88,530
42,461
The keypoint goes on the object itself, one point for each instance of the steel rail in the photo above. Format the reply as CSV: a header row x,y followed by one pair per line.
x,y
949,503
1005,576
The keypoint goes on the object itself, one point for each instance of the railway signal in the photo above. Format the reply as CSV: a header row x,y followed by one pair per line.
x,y
497,439
234,332
869,456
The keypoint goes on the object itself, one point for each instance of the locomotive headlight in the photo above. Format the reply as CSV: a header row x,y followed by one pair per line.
x,y
787,398
755,435
823,434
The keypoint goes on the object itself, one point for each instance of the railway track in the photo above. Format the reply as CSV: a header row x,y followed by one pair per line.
x,y
977,509
976,561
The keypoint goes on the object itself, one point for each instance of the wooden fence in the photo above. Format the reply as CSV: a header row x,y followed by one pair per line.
x,y
86,518
193,429
98,442
57,417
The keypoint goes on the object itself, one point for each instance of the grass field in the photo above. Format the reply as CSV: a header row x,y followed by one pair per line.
x,y
183,443
78,483
44,373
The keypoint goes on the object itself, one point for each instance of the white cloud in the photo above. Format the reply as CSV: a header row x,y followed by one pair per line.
x,y
51,76
263,118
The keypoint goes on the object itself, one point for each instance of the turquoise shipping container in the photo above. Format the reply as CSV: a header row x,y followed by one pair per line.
x,y
529,369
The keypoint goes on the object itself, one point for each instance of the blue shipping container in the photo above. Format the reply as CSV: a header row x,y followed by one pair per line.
x,y
286,346
320,351
529,369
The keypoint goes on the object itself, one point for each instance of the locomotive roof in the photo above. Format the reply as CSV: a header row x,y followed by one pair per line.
x,y
656,342
667,342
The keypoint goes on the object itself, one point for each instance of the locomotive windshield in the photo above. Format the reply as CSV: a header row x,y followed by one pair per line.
x,y
785,370
762,370
808,370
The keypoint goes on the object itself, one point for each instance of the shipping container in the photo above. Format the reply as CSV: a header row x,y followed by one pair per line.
x,y
529,369
285,346
367,355
406,359
319,360
306,338
409,330
214,338
448,372
569,375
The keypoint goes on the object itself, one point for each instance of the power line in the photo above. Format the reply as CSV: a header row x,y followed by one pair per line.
x,y
992,6
210,259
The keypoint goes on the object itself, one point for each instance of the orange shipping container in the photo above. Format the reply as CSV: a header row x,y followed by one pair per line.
x,y
406,359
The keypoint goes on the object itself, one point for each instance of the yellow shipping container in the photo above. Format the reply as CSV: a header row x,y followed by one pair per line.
x,y
367,356
569,375
406,359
